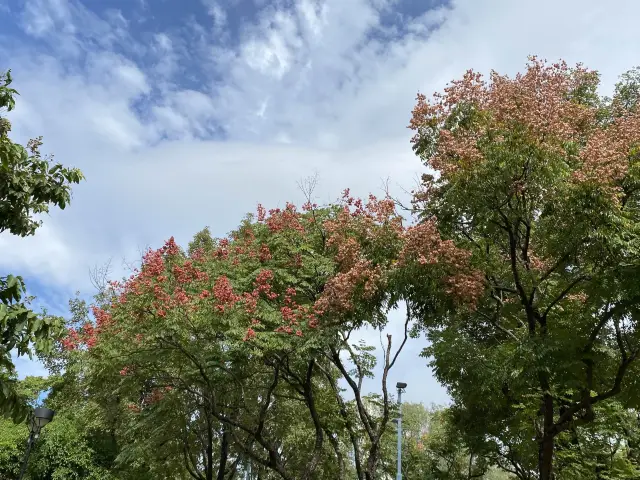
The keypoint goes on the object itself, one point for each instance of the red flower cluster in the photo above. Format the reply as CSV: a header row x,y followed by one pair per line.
x,y
103,318
339,292
72,340
223,293
356,225
262,213
265,253
188,273
86,335
250,334
287,219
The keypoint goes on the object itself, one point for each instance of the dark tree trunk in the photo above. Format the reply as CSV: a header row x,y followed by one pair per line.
x,y
547,441
224,453
372,463
209,465
546,458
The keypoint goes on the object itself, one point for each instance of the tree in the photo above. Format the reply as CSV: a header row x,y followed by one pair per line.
x,y
434,448
29,184
13,438
536,199
600,449
64,449
215,348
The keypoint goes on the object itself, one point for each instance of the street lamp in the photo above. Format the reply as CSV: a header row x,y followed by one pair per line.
x,y
401,387
37,420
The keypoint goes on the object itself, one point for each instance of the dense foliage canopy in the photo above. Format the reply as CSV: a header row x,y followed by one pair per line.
x,y
538,181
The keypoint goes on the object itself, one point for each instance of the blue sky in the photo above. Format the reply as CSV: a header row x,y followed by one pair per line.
x,y
187,114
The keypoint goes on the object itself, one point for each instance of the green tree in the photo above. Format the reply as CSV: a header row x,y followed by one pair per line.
x,y
214,354
599,450
13,436
536,200
29,184
66,448
434,447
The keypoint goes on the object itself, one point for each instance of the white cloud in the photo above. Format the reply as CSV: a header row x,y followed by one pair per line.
x,y
43,255
41,17
313,17
325,85
27,367
349,82
217,13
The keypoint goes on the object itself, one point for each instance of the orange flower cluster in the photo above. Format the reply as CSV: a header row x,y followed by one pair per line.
x,y
357,224
424,245
538,106
339,292
605,158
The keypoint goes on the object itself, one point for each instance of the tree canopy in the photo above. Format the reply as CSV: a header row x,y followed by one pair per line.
x,y
537,182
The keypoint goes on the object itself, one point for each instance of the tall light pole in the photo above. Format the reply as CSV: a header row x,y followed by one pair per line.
x,y
400,386
37,420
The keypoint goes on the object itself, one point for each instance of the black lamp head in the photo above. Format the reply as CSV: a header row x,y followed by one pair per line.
x,y
401,385
39,418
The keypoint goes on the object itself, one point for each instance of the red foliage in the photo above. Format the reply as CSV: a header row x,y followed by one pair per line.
x,y
287,219
424,245
262,213
250,334
223,293
72,340
168,282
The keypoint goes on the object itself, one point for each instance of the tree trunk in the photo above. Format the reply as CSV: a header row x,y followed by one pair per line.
x,y
209,461
547,438
224,453
547,441
545,465
372,463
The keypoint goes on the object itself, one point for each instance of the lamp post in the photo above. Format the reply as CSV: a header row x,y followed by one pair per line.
x,y
37,420
400,386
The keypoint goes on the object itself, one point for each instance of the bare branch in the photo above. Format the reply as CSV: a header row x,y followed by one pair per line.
x,y
99,276
404,340
308,185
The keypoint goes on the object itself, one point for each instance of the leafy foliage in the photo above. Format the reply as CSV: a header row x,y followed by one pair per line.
x,y
538,183
220,350
29,184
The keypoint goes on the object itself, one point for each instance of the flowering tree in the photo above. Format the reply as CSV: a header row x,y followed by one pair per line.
x,y
536,194
224,340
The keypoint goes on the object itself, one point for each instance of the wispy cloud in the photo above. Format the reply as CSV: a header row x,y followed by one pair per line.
x,y
217,13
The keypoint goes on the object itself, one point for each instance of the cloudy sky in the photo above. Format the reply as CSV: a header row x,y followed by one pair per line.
x,y
187,114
